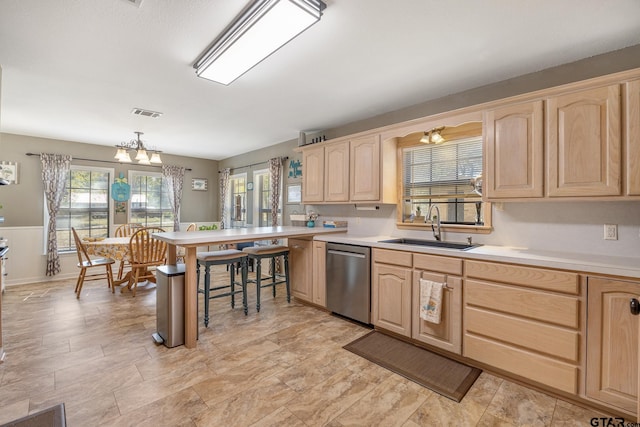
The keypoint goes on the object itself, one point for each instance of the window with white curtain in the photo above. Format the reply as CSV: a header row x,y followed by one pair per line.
x,y
441,174
236,204
261,201
85,205
149,202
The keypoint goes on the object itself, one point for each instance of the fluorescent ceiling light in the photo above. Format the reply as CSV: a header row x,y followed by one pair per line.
x,y
260,30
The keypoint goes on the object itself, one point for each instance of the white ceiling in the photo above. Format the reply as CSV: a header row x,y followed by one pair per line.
x,y
74,69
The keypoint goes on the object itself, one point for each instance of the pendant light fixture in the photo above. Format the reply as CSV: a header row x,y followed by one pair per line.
x,y
142,153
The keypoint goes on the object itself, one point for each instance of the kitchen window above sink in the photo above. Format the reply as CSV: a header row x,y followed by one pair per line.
x,y
447,175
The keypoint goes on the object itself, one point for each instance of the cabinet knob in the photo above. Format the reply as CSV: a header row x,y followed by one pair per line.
x,y
634,306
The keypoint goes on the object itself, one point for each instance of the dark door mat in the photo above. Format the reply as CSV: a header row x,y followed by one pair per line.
x,y
444,376
51,417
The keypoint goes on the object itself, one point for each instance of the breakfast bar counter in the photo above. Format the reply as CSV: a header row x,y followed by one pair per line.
x,y
191,240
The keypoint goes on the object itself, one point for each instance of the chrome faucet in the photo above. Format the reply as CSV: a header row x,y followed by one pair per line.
x,y
437,233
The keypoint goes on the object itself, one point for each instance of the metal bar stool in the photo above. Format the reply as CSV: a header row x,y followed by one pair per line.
x,y
226,257
257,253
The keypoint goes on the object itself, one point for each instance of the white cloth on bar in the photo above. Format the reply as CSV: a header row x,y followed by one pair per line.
x,y
430,300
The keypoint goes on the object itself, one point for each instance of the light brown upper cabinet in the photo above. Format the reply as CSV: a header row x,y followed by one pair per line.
x,y
584,143
336,172
364,167
357,170
514,151
313,175
632,143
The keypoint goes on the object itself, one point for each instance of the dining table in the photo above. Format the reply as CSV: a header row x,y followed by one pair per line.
x,y
112,247
193,239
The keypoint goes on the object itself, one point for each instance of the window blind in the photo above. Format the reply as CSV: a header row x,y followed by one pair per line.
x,y
442,171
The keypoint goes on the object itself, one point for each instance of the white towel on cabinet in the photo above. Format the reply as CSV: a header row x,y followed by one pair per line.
x,y
430,300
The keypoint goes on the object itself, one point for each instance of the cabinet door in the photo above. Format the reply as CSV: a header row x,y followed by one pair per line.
x,y
336,172
447,334
313,175
514,151
612,343
300,269
584,141
391,298
319,273
364,171
632,142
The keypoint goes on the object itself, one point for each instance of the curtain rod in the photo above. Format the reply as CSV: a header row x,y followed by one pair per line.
x,y
107,161
254,164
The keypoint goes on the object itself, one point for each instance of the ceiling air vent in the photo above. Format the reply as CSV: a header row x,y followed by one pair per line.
x,y
146,113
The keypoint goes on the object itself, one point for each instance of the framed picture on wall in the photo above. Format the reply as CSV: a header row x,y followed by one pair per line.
x,y
294,194
199,184
9,171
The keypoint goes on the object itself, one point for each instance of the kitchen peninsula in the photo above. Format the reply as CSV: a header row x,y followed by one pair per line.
x,y
191,241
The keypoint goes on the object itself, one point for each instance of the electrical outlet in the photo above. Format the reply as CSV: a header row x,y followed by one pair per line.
x,y
610,232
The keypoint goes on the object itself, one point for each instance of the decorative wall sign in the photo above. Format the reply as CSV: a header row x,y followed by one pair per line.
x,y
295,168
199,184
120,190
9,171
249,186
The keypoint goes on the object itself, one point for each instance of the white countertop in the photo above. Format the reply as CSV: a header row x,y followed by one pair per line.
x,y
238,235
587,263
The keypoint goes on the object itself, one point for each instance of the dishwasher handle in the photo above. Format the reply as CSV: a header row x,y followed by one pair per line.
x,y
341,253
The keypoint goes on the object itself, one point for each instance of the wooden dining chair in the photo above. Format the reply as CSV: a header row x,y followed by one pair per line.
x,y
145,252
85,263
181,251
125,230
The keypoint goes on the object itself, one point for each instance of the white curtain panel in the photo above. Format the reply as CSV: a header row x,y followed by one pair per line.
x,y
55,168
173,178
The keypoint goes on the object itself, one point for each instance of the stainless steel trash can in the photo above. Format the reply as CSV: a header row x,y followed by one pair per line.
x,y
170,304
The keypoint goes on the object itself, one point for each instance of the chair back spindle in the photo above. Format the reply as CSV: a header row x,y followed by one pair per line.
x,y
144,252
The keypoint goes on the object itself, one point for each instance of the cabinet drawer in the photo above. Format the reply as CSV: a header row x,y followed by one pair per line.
x,y
392,257
544,370
438,263
559,281
540,337
546,307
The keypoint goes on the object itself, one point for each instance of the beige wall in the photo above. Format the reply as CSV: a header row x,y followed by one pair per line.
x,y
608,63
258,161
23,203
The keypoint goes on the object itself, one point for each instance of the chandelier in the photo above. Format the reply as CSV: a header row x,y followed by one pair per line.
x,y
142,153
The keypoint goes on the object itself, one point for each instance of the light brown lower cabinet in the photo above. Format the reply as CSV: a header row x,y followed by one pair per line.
x,y
300,268
319,280
612,343
391,291
447,334
516,320
528,321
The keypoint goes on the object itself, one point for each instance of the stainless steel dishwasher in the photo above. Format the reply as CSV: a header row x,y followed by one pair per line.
x,y
349,281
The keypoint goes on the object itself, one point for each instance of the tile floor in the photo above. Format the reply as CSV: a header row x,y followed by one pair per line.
x,y
284,366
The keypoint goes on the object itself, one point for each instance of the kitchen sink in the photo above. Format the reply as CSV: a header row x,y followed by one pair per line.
x,y
432,243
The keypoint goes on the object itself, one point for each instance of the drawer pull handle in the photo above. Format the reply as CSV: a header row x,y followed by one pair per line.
x,y
634,306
